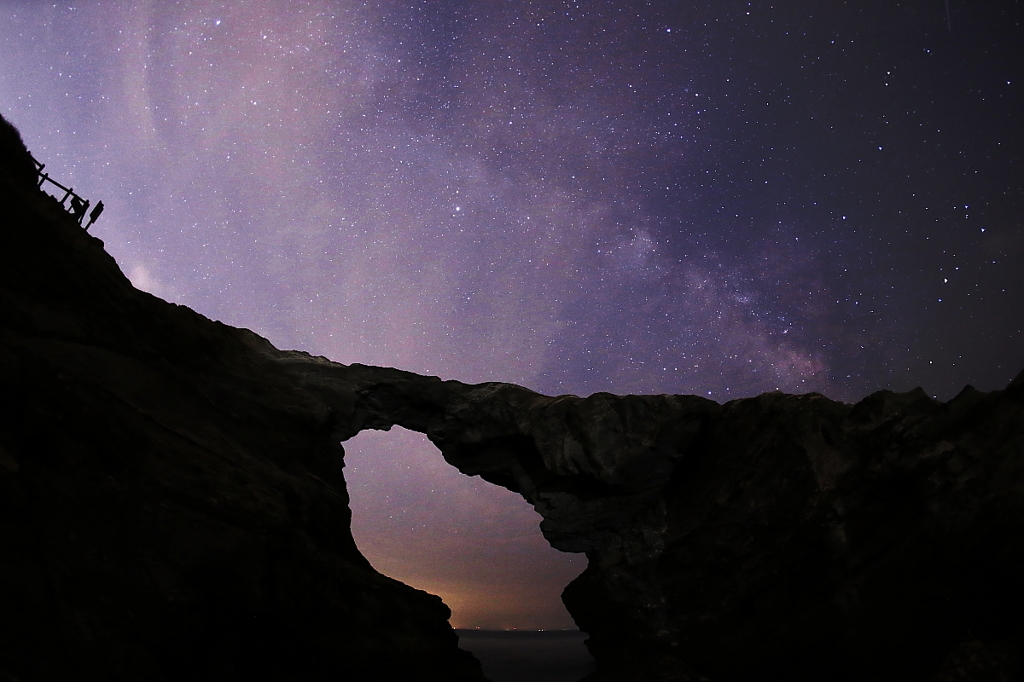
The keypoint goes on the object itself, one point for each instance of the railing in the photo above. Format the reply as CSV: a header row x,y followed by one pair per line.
x,y
77,205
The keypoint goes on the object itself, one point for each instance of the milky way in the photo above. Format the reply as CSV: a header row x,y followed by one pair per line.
x,y
723,199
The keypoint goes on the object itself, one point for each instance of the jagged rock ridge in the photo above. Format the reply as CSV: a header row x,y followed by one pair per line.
x,y
172,506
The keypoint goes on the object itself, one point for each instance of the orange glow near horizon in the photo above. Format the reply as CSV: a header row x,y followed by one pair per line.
x,y
474,544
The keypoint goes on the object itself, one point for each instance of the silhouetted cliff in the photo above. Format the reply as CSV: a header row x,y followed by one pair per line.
x,y
172,506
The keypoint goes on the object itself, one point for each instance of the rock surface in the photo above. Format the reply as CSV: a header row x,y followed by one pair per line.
x,y
172,506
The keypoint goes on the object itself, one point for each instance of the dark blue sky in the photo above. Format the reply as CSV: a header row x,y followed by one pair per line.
x,y
723,199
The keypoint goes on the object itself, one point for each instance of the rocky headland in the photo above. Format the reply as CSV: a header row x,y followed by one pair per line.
x,y
173,506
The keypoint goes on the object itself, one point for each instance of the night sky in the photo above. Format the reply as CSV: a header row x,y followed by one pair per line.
x,y
720,198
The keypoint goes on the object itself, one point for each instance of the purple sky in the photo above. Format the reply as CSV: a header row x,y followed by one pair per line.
x,y
724,199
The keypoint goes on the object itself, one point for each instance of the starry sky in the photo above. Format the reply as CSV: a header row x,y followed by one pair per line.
x,y
720,198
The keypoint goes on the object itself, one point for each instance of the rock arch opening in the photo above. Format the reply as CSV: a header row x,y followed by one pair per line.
x,y
476,545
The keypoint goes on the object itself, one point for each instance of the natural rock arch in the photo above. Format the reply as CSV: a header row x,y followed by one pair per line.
x,y
754,526
166,479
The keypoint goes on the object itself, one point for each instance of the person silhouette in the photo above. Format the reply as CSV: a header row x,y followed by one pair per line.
x,y
95,214
78,207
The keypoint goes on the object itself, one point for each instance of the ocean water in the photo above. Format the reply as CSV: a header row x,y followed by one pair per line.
x,y
529,656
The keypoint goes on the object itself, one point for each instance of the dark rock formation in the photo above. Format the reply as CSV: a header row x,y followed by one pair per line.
x,y
15,161
172,506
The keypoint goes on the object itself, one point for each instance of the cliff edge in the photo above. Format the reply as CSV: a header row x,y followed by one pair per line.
x,y
171,507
